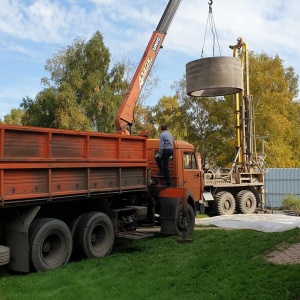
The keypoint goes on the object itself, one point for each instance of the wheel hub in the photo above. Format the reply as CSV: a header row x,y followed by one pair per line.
x,y
181,221
94,237
227,205
47,247
248,203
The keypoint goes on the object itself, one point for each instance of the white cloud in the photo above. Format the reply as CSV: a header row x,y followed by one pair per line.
x,y
36,22
14,47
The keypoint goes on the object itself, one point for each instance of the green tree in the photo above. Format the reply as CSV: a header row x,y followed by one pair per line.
x,y
168,111
275,91
84,91
15,117
208,124
144,120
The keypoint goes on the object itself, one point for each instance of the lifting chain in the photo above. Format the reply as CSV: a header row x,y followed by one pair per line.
x,y
210,20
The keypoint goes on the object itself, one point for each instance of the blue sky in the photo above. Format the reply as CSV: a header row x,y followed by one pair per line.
x,y
31,31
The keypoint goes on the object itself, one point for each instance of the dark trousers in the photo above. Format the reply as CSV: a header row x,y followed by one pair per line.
x,y
163,164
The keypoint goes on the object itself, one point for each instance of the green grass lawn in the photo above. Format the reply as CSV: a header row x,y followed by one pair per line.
x,y
219,264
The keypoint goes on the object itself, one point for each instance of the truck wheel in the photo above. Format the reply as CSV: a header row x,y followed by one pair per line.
x,y
4,255
50,244
95,235
224,203
245,202
190,221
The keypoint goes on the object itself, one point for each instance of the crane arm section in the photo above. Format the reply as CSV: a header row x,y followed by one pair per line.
x,y
125,115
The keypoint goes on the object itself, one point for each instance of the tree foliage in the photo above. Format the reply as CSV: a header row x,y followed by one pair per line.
x,y
167,111
277,111
208,124
83,93
15,117
144,120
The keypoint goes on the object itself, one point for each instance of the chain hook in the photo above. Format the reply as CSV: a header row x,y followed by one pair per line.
x,y
210,4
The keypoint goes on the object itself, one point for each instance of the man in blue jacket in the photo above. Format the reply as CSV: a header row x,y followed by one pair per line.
x,y
165,151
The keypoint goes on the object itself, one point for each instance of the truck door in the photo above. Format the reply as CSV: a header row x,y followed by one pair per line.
x,y
191,174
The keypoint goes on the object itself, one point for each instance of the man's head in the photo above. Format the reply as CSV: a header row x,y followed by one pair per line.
x,y
163,127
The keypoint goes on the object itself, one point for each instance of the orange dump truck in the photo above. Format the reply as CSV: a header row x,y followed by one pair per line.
x,y
65,192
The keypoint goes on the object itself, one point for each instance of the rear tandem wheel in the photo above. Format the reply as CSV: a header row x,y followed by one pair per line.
x,y
224,203
245,202
50,244
94,235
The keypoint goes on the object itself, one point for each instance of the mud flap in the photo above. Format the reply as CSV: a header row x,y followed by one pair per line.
x,y
16,238
171,200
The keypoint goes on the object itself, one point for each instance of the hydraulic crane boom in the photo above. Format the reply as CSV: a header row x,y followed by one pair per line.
x,y
125,114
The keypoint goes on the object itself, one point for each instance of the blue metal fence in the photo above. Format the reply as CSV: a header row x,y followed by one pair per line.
x,y
280,183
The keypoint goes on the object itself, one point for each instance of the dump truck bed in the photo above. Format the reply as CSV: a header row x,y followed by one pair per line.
x,y
48,164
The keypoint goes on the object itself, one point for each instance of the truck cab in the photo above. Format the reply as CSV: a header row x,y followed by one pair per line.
x,y
185,170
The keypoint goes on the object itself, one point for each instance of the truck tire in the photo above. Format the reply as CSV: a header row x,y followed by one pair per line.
x,y
190,221
245,202
4,255
50,244
94,235
224,203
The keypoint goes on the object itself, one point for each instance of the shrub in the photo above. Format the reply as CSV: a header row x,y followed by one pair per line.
x,y
291,203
